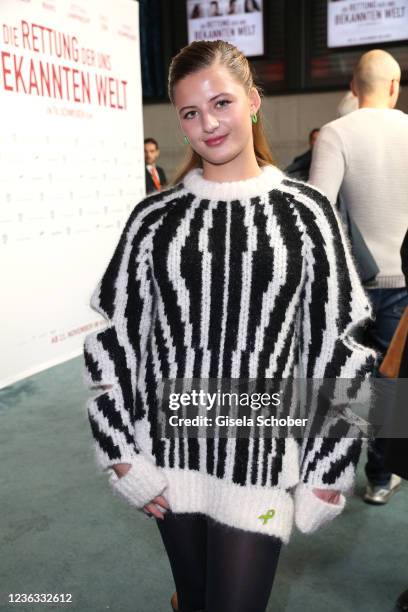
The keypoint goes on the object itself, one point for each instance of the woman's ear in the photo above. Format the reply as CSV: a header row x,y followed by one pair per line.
x,y
254,100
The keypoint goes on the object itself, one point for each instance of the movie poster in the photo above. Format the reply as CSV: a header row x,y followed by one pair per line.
x,y
71,168
366,22
239,22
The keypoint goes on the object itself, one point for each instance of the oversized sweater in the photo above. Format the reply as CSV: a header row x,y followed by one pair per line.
x,y
250,279
363,156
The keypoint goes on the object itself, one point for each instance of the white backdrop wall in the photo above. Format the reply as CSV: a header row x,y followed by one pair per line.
x,y
71,168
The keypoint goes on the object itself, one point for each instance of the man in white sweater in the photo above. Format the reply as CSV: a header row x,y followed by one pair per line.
x,y
363,158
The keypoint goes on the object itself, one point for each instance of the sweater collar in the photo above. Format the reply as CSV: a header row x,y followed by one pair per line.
x,y
269,179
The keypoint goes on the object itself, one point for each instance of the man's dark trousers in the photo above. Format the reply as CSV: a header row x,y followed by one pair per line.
x,y
388,306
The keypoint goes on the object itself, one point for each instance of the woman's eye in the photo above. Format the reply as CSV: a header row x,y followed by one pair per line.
x,y
189,115
223,103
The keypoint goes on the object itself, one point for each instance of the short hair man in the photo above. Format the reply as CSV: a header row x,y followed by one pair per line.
x,y
154,175
363,156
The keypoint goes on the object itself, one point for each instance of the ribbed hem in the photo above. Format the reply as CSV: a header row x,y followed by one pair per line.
x,y
387,282
269,178
263,510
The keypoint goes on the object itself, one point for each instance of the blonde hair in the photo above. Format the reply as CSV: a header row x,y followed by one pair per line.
x,y
202,54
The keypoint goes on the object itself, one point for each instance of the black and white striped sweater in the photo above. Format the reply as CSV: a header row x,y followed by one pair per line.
x,y
208,281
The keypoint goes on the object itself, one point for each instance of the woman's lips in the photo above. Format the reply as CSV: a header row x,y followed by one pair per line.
x,y
214,142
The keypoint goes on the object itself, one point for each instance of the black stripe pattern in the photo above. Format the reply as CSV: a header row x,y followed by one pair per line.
x,y
226,281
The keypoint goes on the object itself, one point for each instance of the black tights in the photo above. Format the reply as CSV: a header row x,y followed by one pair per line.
x,y
218,568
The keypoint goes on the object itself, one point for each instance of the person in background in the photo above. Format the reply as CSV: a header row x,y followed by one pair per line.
x,y
197,12
251,6
154,175
300,167
215,9
348,104
232,7
396,452
362,157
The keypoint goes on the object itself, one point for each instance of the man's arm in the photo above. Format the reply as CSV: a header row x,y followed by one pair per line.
x,y
328,163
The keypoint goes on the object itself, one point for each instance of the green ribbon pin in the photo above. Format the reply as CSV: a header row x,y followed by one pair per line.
x,y
265,517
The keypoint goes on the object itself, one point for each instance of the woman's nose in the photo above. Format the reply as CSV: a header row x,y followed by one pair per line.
x,y
210,123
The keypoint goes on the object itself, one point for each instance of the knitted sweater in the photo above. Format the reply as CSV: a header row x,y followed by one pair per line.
x,y
363,157
208,281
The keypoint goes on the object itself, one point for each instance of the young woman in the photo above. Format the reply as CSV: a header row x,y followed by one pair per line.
x,y
197,12
251,6
236,272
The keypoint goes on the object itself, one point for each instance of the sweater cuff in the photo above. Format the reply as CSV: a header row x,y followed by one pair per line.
x,y
312,512
142,483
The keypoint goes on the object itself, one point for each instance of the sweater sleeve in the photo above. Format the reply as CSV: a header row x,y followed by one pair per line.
x,y
328,163
125,297
334,308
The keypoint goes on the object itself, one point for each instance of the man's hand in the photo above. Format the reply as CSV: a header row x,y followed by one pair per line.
x,y
328,495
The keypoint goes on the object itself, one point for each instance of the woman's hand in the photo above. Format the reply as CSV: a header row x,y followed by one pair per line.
x,y
121,469
328,495
154,510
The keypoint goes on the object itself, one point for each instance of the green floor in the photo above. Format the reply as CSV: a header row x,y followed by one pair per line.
x,y
61,530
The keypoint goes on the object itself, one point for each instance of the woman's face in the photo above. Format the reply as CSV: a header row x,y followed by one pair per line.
x,y
214,9
215,113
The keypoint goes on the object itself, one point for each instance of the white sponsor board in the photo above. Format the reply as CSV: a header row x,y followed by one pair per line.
x,y
239,22
366,22
71,168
